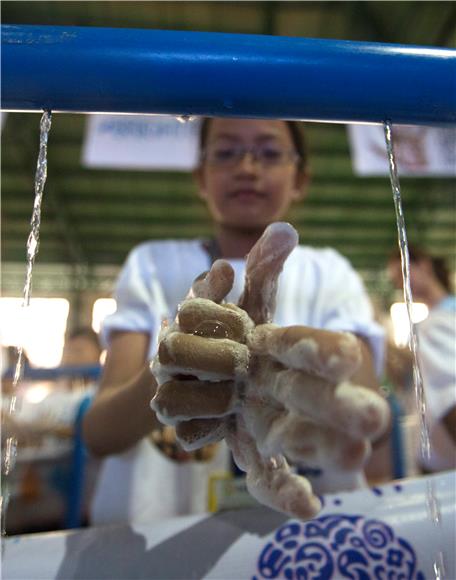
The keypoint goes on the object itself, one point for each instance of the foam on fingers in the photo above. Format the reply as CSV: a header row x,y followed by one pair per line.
x,y
264,264
213,320
357,411
333,356
276,486
269,479
205,358
197,433
178,400
215,284
362,411
306,442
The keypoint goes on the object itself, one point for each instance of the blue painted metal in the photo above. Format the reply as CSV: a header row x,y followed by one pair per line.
x,y
398,462
78,469
192,73
33,374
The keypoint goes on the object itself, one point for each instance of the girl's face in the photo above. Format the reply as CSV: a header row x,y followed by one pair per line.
x,y
248,176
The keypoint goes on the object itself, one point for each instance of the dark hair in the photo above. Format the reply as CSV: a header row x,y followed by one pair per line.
x,y
439,266
296,131
85,332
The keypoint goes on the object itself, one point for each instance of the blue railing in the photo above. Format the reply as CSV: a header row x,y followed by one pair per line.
x,y
86,371
73,517
193,73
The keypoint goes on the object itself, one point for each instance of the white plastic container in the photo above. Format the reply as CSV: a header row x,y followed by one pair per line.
x,y
384,532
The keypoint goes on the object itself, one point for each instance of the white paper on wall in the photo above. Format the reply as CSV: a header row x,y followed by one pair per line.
x,y
420,151
140,142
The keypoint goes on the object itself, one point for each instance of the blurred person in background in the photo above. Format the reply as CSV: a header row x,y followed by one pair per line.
x,y
82,348
430,284
50,484
54,413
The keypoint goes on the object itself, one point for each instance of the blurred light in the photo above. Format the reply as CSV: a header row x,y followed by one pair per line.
x,y
103,357
39,328
399,317
37,392
102,308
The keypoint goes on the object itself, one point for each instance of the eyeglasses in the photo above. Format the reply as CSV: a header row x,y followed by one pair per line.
x,y
232,155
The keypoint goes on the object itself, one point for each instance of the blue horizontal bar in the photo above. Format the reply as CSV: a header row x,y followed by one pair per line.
x,y
193,73
34,374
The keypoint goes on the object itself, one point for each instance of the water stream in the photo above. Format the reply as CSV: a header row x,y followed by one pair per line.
x,y
432,503
33,242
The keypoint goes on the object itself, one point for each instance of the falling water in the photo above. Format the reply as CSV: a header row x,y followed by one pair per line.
x,y
10,454
185,118
405,260
432,503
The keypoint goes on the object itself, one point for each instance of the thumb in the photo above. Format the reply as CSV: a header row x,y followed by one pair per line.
x,y
264,264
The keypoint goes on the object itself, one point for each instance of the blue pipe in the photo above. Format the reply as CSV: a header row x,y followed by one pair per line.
x,y
192,73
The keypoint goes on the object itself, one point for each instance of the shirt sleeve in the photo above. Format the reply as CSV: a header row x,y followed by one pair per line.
x,y
348,307
437,358
140,303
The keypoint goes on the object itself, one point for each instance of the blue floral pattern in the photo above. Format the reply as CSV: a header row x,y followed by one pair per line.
x,y
338,546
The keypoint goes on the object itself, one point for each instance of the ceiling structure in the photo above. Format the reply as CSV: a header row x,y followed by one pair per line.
x,y
91,218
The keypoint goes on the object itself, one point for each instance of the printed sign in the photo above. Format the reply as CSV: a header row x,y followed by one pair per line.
x,y
140,142
419,151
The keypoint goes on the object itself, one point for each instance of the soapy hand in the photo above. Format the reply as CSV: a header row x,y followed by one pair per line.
x,y
273,393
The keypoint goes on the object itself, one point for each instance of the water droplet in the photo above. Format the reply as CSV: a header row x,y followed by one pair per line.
x,y
439,567
432,503
213,329
185,118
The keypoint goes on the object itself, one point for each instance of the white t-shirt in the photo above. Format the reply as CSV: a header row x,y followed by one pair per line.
x,y
318,288
437,358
